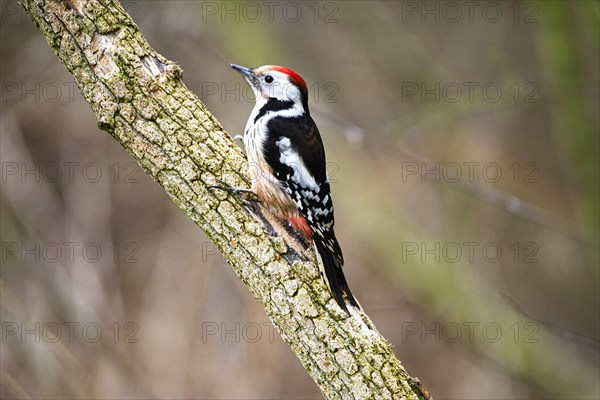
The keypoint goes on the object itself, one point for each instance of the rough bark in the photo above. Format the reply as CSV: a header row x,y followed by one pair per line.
x,y
139,98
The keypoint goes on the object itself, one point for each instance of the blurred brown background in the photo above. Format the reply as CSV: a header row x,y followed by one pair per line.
x,y
462,142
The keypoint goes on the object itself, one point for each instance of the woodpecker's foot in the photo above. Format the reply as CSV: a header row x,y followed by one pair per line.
x,y
239,193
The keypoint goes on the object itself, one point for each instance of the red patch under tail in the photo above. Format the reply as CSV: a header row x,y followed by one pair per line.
x,y
299,223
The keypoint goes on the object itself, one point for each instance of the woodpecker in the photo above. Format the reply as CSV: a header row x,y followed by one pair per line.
x,y
288,169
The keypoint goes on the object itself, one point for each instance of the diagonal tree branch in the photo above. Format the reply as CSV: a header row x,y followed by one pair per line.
x,y
139,98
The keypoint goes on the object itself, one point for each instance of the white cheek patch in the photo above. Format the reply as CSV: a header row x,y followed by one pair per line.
x,y
288,156
281,88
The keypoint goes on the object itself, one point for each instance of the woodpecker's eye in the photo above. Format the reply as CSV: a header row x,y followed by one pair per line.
x,y
268,79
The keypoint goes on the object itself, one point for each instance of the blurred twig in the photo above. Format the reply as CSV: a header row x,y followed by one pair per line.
x,y
139,98
558,330
483,192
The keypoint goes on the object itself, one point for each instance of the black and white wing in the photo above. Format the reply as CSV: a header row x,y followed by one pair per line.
x,y
294,150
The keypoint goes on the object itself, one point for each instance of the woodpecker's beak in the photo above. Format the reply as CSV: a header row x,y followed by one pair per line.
x,y
248,73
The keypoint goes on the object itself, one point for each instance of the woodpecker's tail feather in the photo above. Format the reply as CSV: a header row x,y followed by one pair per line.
x,y
331,263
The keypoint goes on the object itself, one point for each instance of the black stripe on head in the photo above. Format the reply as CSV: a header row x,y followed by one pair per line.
x,y
273,104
